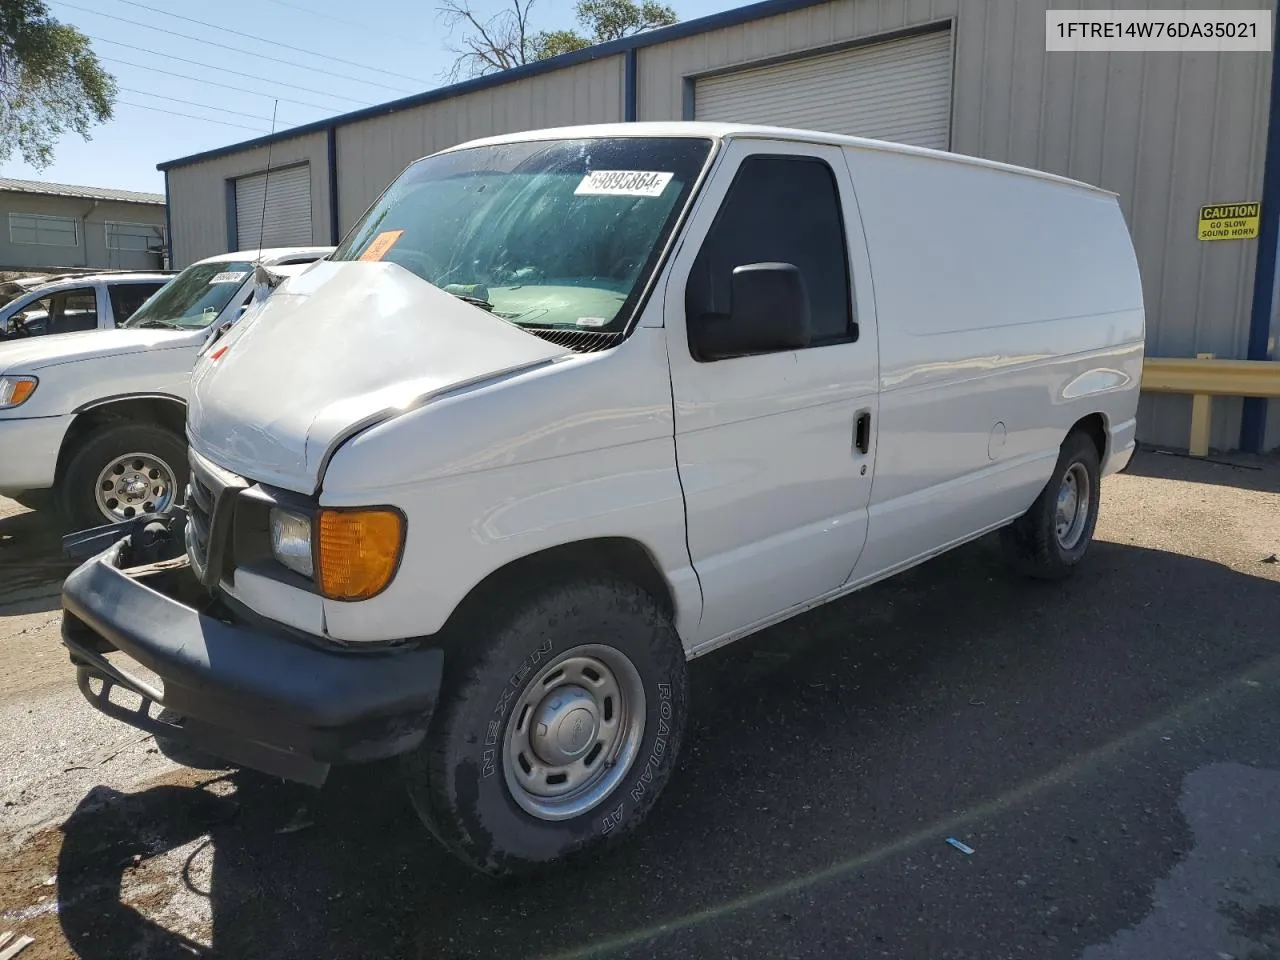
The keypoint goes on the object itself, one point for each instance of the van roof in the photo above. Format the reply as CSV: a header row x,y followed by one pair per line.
x,y
728,131
269,255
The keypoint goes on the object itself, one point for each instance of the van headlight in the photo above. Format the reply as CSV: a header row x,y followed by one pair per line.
x,y
351,553
14,391
291,540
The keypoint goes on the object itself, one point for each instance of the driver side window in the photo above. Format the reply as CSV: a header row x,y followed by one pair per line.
x,y
780,210
33,319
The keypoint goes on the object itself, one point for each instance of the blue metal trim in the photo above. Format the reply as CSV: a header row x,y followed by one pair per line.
x,y
334,229
232,230
688,99
168,222
1253,422
678,31
629,70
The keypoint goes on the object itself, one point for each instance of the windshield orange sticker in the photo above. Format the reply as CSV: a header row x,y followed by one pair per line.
x,y
381,244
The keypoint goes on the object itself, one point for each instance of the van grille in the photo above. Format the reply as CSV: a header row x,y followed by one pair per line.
x,y
210,501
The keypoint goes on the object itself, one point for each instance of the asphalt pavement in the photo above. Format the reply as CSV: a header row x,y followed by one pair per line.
x,y
1107,748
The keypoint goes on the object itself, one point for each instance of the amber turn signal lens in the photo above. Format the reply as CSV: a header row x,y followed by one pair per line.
x,y
359,551
23,389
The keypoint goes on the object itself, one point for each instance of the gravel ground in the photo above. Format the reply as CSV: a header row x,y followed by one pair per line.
x,y
1109,748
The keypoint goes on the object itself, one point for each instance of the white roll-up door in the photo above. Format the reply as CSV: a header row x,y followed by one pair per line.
x,y
287,222
897,90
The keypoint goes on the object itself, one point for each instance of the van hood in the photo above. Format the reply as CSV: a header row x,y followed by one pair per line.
x,y
332,352
28,354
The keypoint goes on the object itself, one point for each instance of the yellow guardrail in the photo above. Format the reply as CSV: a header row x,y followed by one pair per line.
x,y
1205,377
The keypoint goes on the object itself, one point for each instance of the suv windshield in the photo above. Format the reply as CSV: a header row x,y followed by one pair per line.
x,y
549,234
194,298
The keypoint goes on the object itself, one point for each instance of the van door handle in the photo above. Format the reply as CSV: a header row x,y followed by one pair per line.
x,y
862,432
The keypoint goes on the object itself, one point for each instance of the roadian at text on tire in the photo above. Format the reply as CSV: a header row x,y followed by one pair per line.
x,y
616,403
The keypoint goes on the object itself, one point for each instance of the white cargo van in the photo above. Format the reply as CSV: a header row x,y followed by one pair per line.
x,y
569,407
96,418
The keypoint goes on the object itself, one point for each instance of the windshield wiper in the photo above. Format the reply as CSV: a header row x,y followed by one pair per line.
x,y
476,294
475,301
159,324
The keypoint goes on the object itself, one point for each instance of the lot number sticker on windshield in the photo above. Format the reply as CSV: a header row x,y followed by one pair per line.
x,y
623,183
381,244
229,276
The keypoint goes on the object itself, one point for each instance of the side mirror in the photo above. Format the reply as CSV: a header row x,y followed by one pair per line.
x,y
768,311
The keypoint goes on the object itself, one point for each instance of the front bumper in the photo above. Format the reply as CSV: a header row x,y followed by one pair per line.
x,y
257,698
29,452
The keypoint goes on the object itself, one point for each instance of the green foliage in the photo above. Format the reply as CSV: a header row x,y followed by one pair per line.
x,y
605,20
51,82
546,44
504,40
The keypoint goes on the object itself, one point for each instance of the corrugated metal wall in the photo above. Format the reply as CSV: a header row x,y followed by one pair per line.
x,y
1167,131
91,250
371,153
198,194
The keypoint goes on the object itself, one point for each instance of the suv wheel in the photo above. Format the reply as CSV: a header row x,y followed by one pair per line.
x,y
121,471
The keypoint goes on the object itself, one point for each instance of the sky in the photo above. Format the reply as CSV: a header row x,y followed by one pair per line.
x,y
377,50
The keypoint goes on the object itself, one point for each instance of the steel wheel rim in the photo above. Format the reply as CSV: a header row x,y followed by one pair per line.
x,y
574,732
134,484
1071,516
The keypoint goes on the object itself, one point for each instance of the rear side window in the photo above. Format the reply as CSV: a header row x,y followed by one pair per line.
x,y
787,210
75,310
128,297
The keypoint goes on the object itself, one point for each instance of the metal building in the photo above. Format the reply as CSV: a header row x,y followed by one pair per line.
x,y
1169,132
54,225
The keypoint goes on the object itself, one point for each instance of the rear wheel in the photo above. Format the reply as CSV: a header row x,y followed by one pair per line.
x,y
557,731
1052,538
121,471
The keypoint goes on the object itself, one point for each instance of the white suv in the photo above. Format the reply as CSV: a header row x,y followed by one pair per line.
x,y
98,418
70,304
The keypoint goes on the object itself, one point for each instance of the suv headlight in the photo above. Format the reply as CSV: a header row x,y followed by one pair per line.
x,y
15,390
351,553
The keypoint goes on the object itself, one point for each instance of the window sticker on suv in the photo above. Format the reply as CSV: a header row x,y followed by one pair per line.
x,y
228,276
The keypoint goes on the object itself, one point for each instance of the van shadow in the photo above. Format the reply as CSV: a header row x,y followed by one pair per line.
x,y
811,743
31,564
1241,470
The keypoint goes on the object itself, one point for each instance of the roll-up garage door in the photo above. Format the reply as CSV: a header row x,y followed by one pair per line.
x,y
287,222
897,90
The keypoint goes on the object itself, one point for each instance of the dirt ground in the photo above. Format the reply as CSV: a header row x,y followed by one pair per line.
x,y
1108,746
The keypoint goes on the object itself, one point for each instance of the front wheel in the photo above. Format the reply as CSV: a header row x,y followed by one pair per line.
x,y
123,470
1052,538
556,731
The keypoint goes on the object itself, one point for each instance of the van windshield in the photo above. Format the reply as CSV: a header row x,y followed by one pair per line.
x,y
194,298
550,234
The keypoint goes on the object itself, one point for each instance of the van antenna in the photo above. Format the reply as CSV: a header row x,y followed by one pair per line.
x,y
266,183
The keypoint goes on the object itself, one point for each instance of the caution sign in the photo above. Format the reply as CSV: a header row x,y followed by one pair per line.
x,y
1229,221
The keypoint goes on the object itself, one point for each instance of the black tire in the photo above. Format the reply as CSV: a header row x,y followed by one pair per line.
x,y
457,779
99,448
1031,544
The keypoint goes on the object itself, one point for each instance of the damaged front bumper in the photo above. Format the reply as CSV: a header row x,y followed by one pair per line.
x,y
273,701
